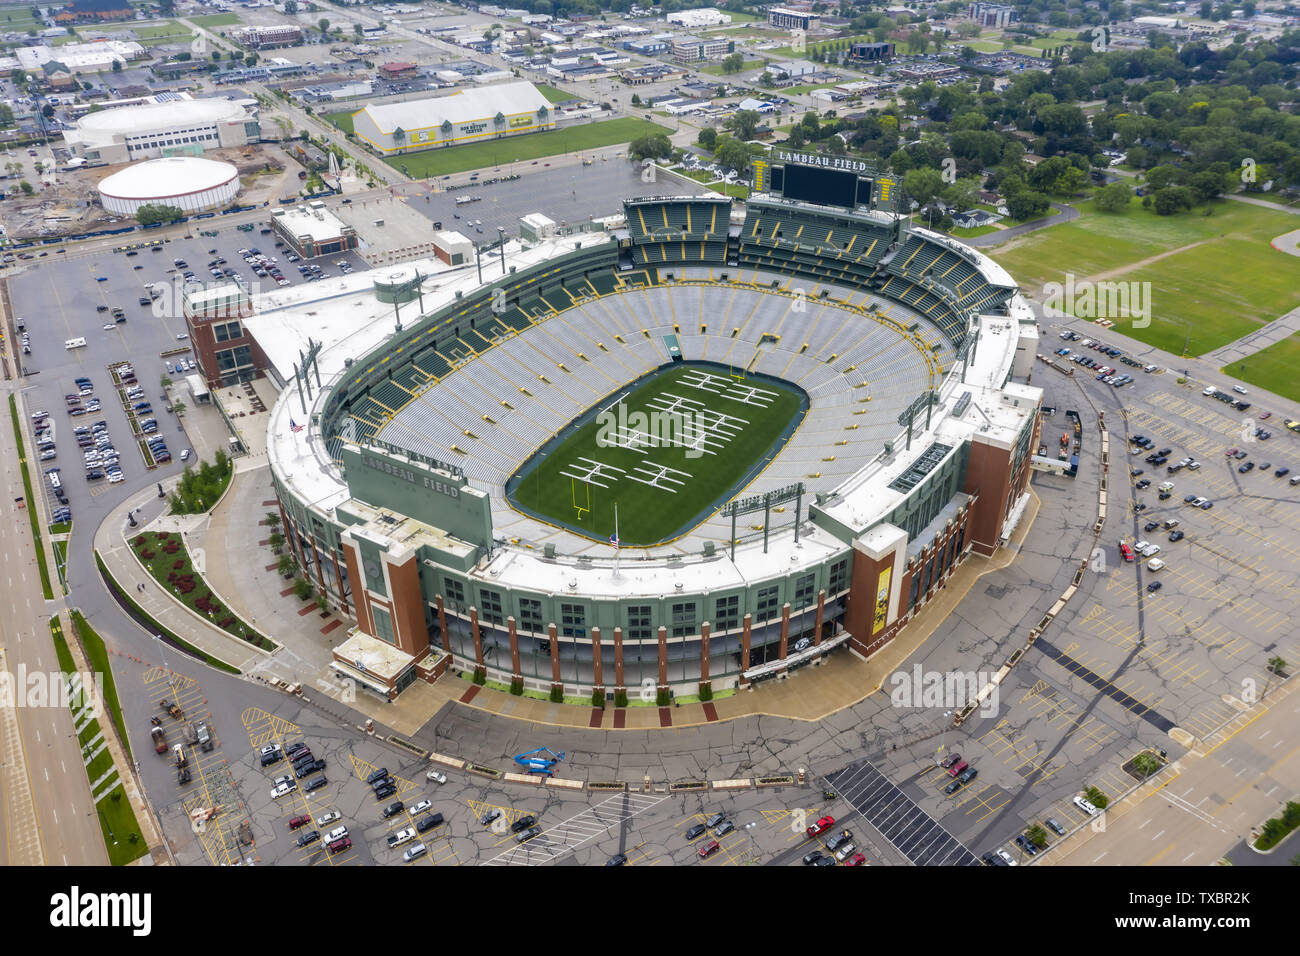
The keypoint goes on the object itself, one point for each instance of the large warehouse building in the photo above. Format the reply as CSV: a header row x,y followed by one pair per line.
x,y
177,127
403,497
189,183
469,116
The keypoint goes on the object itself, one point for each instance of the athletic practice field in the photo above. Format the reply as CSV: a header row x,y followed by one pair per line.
x,y
667,452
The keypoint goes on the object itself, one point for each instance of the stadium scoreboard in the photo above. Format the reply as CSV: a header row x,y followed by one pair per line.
x,y
823,180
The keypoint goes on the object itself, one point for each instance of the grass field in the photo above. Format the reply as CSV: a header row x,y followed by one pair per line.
x,y
650,513
1272,368
215,20
553,95
1220,280
33,507
341,119
459,159
117,820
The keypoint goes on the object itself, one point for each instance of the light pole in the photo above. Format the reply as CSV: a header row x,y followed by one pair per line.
x,y
501,244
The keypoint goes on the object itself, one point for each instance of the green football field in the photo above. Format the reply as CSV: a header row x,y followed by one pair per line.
x,y
667,453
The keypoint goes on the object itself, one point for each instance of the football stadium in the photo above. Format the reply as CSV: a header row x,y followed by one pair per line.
x,y
694,451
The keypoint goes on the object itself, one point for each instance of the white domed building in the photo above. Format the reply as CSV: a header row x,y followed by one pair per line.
x,y
190,183
175,127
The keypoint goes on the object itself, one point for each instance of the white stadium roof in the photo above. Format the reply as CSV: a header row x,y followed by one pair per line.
x,y
126,120
460,107
168,177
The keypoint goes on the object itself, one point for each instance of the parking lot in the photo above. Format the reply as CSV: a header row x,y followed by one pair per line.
x,y
1141,660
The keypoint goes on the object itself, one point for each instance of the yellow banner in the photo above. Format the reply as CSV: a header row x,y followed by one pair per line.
x,y
882,601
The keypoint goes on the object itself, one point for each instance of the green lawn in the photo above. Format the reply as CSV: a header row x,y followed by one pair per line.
x,y
116,818
715,69
141,617
170,571
341,119
649,514
554,95
33,506
961,233
459,159
97,655
1217,291
1272,368
215,20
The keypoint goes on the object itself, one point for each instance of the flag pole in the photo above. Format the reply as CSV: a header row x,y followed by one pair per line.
x,y
618,545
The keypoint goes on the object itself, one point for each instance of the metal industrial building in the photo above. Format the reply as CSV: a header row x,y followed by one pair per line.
x,y
169,126
467,116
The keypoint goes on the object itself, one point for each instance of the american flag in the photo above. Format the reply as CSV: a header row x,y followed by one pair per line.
x,y
613,539
294,426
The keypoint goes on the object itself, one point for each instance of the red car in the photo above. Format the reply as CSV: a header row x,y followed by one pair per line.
x,y
821,826
1230,452
299,821
858,859
957,768
949,760
709,849
338,846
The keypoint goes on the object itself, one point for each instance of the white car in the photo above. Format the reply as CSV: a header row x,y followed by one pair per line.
x,y
436,776
1209,390
283,788
338,833
1007,858
401,837
1141,546
414,853
327,818
269,749
422,806
115,477
185,455
844,852
1085,806
1151,551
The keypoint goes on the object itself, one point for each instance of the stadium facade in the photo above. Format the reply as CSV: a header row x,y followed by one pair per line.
x,y
392,444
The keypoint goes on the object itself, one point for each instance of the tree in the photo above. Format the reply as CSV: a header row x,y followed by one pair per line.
x,y
654,146
26,188
117,66
743,123
151,213
636,100
324,25
291,7
708,137
1027,204
731,154
923,184
1113,198
357,31
733,63
1172,199
285,565
1070,181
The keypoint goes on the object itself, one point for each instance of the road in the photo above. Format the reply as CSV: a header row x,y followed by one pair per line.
x,y
47,806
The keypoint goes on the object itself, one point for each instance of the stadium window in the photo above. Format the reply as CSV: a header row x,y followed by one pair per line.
x,y
638,622
455,593
683,619
383,624
839,579
530,615
916,589
726,613
490,602
768,600
804,589
573,620
226,331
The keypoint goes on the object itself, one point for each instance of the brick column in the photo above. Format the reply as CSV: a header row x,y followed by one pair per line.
x,y
315,554
340,563
555,658
597,672
663,658
704,654
515,673
785,629
619,685
745,644
821,617
478,639
442,625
